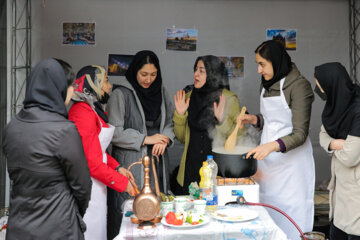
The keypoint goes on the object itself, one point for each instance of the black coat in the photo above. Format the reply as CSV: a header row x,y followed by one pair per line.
x,y
48,170
50,179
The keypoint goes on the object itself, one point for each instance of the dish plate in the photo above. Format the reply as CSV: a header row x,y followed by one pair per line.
x,y
235,214
187,225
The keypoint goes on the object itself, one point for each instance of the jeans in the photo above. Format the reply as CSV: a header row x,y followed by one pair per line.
x,y
337,234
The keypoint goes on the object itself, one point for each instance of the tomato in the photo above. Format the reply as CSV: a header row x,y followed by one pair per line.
x,y
170,217
178,221
194,223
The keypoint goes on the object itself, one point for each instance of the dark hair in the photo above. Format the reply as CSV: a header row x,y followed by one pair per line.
x,y
264,51
69,73
280,39
149,59
215,70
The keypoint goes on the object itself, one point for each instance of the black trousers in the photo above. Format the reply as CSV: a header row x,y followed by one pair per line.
x,y
337,234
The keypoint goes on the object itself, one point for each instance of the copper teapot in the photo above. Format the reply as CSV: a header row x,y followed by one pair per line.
x,y
146,204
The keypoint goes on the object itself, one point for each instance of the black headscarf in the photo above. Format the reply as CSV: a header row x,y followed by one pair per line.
x,y
201,108
341,114
89,89
274,52
46,87
150,98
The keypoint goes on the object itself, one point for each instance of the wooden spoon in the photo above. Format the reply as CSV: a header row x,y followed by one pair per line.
x,y
231,140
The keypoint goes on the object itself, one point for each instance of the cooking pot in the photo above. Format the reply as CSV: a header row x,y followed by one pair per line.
x,y
234,164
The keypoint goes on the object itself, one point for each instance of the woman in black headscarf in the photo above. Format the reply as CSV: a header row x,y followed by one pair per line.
x,y
141,111
286,172
50,179
340,137
206,113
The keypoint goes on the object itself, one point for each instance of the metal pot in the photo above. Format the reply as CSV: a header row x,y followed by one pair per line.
x,y
234,165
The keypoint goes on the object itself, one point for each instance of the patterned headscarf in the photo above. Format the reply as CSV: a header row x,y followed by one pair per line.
x,y
88,87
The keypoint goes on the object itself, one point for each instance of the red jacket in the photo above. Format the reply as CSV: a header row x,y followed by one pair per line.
x,y
88,125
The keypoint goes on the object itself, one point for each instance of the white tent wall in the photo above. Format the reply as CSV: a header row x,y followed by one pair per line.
x,y
226,28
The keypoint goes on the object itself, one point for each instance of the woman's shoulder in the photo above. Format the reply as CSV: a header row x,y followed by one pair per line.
x,y
79,107
295,78
228,93
82,112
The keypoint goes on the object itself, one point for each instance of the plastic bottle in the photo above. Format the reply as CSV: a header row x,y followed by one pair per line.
x,y
205,180
212,198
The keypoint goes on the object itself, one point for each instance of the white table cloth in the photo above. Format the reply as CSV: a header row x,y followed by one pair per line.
x,y
261,228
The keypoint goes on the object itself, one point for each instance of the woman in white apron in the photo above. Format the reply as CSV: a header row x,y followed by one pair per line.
x,y
91,92
286,171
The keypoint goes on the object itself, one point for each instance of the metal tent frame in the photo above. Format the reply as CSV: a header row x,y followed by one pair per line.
x,y
20,51
354,45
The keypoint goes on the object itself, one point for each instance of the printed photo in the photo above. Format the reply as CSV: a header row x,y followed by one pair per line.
x,y
234,66
118,64
78,33
286,37
179,39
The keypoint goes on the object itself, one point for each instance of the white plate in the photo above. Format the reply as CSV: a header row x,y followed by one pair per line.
x,y
235,214
186,225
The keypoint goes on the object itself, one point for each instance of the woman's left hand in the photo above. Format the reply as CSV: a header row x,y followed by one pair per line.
x,y
262,151
159,149
220,108
126,173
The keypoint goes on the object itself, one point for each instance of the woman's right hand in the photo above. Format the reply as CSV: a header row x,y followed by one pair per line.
x,y
130,189
247,118
181,105
156,138
336,144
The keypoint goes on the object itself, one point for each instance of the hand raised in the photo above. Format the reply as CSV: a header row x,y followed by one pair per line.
x,y
220,108
181,105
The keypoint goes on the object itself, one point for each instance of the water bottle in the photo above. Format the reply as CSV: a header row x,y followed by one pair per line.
x,y
212,197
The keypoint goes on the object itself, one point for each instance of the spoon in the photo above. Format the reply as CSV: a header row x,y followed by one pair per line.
x,y
231,140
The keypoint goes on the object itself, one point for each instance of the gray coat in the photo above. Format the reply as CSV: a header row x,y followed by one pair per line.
x,y
126,114
50,178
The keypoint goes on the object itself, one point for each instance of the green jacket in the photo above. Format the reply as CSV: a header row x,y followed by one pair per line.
x,y
224,129
299,96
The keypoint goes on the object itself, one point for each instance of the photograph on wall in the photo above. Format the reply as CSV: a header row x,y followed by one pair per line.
x,y
234,66
287,37
180,39
78,33
118,64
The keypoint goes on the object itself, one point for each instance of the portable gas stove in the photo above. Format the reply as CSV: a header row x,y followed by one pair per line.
x,y
230,188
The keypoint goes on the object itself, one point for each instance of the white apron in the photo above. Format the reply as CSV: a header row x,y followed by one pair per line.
x,y
95,216
286,179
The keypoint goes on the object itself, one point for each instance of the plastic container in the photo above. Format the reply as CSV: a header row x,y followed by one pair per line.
x,y
212,196
205,176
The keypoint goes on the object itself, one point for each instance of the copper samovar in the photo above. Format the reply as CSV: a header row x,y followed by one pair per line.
x,y
146,204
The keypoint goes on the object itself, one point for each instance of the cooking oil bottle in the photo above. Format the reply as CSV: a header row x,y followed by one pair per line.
x,y
212,197
205,180
208,190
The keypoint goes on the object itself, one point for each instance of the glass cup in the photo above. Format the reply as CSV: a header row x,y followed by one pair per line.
x,y
200,206
166,207
180,204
